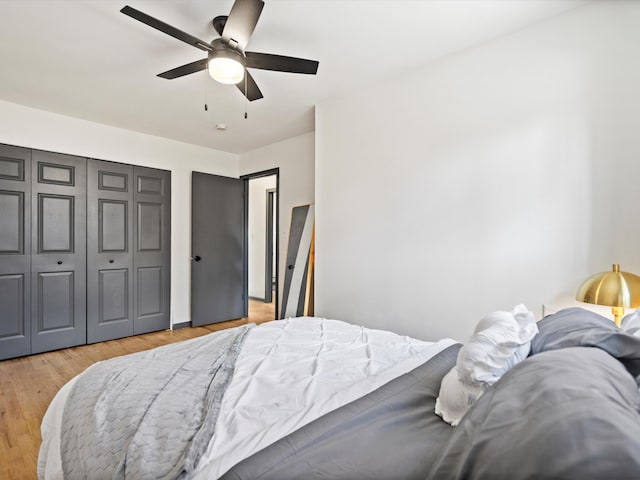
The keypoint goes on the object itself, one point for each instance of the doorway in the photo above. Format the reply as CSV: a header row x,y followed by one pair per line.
x,y
262,214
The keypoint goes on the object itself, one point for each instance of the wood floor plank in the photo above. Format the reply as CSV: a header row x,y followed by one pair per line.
x,y
28,384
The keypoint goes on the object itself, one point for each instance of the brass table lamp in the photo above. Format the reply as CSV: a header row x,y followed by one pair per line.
x,y
616,289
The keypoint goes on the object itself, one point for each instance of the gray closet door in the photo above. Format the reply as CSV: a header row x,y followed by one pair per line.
x,y
15,251
109,251
152,255
217,248
58,246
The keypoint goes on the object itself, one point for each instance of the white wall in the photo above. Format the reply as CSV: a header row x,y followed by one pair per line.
x,y
506,173
42,130
258,233
296,159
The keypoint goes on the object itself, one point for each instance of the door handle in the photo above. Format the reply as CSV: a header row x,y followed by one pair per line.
x,y
290,267
111,260
196,258
59,262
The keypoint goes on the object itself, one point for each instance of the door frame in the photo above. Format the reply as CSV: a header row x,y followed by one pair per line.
x,y
245,261
269,250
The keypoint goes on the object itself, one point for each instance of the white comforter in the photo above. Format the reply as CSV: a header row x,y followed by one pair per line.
x,y
289,373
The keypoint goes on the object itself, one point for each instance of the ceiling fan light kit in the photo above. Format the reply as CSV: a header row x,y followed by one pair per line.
x,y
225,64
227,61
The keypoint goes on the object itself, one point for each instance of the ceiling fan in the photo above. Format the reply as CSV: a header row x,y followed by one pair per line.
x,y
227,61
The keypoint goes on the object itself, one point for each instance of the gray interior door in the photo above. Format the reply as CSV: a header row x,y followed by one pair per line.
x,y
109,251
152,255
58,246
217,249
15,251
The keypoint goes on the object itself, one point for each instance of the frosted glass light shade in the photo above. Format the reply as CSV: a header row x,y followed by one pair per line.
x,y
226,70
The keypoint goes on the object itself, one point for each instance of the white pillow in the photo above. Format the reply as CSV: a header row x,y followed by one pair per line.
x,y
455,398
500,340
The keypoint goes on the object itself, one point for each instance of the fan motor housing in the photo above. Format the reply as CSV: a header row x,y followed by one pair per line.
x,y
222,50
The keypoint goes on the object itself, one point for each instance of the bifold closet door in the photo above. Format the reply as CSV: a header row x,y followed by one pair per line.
x,y
109,251
152,255
58,251
15,251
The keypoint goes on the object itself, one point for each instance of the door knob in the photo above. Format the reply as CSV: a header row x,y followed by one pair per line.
x,y
290,267
196,258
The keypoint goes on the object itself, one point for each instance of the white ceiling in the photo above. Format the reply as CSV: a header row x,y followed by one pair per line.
x,y
85,59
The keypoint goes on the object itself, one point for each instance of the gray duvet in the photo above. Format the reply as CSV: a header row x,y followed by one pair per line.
x,y
150,414
569,411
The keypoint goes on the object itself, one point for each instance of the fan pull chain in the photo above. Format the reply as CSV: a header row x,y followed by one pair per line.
x,y
206,91
246,99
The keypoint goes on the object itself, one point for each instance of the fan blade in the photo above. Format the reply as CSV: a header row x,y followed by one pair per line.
x,y
187,69
253,92
280,63
241,22
166,28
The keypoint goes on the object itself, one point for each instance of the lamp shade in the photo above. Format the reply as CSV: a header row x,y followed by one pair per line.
x,y
613,289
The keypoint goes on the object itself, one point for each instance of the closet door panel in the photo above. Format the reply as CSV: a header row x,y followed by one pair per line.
x,y
113,295
12,222
12,293
58,251
152,255
15,251
109,249
113,225
56,223
56,309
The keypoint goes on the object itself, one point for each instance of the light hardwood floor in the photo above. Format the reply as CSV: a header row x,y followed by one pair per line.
x,y
28,384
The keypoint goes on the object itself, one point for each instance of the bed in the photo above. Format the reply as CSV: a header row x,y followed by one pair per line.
x,y
317,398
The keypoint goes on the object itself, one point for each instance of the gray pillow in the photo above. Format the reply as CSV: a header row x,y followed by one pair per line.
x,y
563,414
577,327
